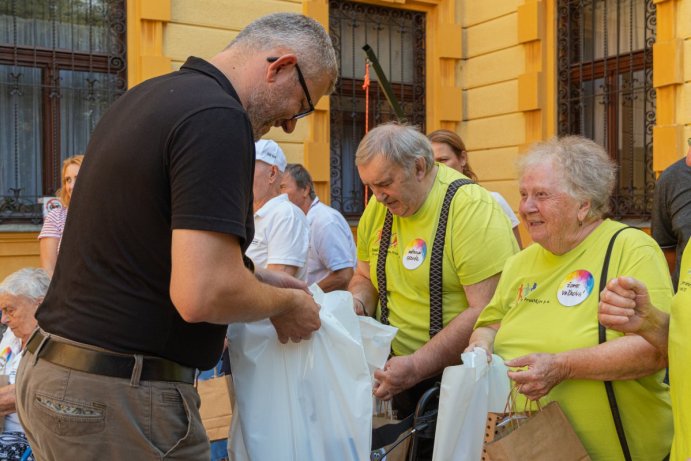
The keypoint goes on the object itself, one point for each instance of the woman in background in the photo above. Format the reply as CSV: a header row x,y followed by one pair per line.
x,y
54,223
449,149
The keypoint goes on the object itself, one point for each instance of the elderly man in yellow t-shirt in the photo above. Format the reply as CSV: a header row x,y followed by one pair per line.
x,y
397,163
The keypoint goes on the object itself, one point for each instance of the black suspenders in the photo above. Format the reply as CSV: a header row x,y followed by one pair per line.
x,y
435,265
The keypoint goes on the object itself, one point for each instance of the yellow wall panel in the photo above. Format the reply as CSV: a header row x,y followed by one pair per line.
x,y
18,250
478,11
495,67
501,131
684,108
499,98
667,146
450,39
449,104
228,14
667,62
490,36
184,40
494,164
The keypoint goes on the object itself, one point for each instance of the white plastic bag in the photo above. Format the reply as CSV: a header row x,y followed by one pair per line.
x,y
376,339
309,401
468,393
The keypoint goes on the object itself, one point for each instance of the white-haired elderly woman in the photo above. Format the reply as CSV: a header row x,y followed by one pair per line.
x,y
543,317
20,295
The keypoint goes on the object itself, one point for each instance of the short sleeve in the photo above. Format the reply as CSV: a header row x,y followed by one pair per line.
x,y
480,236
53,224
332,246
506,208
211,172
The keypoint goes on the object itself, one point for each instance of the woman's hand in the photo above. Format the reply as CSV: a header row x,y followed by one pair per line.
x,y
483,338
540,374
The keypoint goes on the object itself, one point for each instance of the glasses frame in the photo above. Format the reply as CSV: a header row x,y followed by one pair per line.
x,y
301,79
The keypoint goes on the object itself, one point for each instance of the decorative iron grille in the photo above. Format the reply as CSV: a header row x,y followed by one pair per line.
x,y
62,63
606,91
398,40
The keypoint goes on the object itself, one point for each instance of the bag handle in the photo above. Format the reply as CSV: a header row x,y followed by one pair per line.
x,y
602,337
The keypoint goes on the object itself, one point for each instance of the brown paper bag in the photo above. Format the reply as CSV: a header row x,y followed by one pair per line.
x,y
545,436
216,408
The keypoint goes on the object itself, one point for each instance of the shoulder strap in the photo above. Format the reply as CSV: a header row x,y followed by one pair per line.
x,y
602,337
436,319
384,242
435,288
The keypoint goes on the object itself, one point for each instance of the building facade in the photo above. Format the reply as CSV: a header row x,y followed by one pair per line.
x,y
501,73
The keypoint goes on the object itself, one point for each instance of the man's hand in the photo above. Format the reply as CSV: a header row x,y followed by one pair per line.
x,y
398,374
625,305
300,322
542,372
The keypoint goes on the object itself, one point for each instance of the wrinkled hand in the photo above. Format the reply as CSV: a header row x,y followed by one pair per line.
x,y
624,305
398,374
542,372
300,322
280,279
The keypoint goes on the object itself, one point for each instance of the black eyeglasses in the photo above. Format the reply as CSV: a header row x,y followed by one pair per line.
x,y
301,79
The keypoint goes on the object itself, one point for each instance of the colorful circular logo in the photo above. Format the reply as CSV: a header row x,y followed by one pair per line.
x,y
414,254
575,288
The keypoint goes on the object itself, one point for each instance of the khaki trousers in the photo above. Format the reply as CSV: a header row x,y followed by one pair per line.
x,y
73,415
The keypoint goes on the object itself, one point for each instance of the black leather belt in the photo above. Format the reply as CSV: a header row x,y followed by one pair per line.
x,y
108,364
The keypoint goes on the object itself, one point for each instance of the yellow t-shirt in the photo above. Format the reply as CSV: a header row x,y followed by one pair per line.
x,y
478,242
548,303
679,361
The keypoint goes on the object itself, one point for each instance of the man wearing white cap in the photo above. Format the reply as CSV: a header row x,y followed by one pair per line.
x,y
281,233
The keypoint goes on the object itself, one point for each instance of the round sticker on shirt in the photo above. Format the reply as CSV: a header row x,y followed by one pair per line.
x,y
575,288
414,254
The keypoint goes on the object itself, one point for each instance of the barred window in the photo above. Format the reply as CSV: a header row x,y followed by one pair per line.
x,y
62,63
606,92
398,40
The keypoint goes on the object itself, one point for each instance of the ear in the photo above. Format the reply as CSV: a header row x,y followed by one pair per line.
x,y
463,158
420,169
583,210
279,66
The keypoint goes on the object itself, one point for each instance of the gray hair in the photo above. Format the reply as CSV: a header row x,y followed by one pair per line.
x,y
302,35
585,168
398,143
30,282
302,177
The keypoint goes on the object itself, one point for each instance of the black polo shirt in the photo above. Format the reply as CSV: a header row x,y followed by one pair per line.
x,y
175,152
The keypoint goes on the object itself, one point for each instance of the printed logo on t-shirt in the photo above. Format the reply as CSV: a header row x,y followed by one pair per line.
x,y
414,254
524,290
394,239
575,288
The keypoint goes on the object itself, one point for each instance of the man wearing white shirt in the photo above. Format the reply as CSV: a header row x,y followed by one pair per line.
x,y
281,232
331,257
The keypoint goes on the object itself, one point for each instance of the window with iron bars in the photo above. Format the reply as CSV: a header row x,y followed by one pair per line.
x,y
62,63
398,40
606,91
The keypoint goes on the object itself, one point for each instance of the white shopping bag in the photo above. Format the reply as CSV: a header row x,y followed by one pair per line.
x,y
468,393
376,339
309,401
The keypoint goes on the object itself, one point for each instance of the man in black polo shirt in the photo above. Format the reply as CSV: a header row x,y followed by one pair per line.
x,y
152,264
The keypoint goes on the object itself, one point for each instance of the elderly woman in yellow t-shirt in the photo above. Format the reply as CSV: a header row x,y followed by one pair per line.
x,y
543,317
